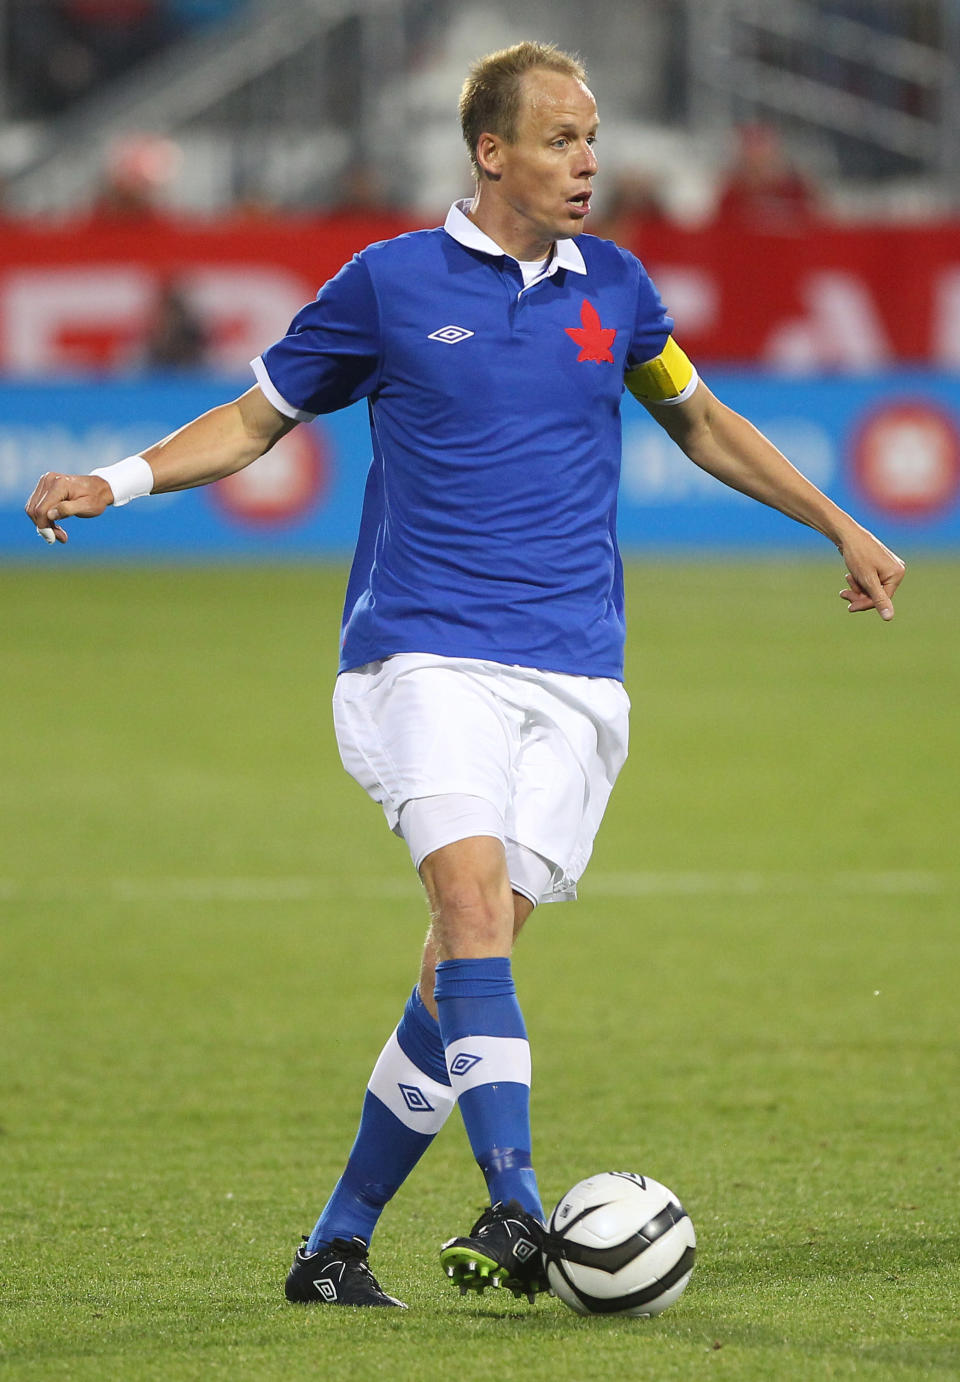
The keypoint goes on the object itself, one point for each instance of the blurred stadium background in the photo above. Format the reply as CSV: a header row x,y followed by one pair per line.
x,y
178,176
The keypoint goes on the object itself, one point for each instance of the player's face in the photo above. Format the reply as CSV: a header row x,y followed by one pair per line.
x,y
546,175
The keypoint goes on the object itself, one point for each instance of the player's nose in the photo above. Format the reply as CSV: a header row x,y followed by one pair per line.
x,y
587,161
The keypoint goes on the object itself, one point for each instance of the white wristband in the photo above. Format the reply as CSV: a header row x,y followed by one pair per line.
x,y
129,479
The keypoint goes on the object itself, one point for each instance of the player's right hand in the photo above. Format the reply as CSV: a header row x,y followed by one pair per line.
x,y
59,496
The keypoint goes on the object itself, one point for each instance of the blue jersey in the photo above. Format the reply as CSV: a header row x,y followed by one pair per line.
x,y
489,518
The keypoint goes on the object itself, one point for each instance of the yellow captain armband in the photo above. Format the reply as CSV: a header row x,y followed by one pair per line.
x,y
669,378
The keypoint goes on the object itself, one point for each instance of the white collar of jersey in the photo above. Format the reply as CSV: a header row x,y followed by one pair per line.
x,y
566,255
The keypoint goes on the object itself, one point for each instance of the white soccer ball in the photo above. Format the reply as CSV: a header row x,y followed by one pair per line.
x,y
619,1244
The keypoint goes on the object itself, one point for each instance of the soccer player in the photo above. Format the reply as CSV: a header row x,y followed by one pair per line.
x,y
480,697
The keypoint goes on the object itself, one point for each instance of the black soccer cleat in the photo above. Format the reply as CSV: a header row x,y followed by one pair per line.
x,y
504,1248
336,1275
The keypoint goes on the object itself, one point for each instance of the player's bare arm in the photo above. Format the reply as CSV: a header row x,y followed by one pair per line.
x,y
729,447
216,444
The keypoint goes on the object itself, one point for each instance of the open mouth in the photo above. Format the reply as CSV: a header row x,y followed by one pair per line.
x,y
581,202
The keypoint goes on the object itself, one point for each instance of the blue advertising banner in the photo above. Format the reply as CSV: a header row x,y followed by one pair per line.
x,y
886,447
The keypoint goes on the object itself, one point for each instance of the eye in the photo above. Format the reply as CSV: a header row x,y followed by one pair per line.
x,y
560,143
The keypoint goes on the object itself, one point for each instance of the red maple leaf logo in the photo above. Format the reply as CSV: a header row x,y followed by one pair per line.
x,y
593,339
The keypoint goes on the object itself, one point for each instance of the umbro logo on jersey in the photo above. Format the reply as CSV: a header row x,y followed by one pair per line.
x,y
450,335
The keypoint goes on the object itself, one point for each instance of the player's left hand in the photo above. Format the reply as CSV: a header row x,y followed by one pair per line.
x,y
873,573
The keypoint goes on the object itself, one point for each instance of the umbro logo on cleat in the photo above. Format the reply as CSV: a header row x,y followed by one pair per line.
x,y
524,1250
326,1289
450,335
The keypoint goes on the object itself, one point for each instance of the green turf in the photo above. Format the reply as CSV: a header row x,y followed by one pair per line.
x,y
207,933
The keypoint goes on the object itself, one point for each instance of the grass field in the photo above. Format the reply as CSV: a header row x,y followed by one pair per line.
x,y
208,932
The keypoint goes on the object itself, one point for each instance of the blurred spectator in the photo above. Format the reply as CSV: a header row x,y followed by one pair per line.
x,y
361,198
762,189
192,14
61,49
139,170
176,338
633,202
117,32
360,189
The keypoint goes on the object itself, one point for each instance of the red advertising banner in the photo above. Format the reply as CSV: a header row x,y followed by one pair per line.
x,y
831,298
87,296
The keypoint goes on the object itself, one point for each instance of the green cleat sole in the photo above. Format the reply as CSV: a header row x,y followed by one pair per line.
x,y
471,1271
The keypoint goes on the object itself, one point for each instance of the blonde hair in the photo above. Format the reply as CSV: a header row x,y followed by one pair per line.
x,y
490,99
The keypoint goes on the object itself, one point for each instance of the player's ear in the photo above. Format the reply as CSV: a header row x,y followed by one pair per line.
x,y
490,155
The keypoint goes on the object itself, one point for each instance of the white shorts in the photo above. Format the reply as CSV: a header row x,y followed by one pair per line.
x,y
542,748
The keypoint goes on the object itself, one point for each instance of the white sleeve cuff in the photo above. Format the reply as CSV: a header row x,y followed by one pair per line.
x,y
272,395
128,479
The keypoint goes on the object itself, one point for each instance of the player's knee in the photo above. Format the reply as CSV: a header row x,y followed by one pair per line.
x,y
469,902
471,916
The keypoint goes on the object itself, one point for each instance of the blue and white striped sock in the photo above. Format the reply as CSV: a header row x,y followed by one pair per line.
x,y
488,1059
407,1102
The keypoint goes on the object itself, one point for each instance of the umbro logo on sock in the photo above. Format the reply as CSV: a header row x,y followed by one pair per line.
x,y
464,1062
415,1099
450,335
